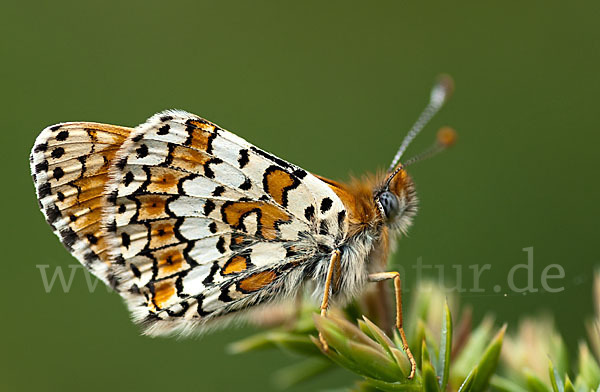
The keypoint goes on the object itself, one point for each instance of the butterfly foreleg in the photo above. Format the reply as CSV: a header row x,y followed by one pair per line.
x,y
378,277
333,264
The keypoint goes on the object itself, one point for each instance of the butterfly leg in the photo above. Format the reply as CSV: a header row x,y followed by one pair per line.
x,y
333,263
378,277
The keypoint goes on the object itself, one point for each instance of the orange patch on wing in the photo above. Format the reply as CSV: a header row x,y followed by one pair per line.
x,y
268,216
114,129
90,187
188,159
204,125
238,239
107,156
257,281
89,228
162,233
163,292
164,180
170,261
84,214
276,182
201,136
152,207
236,264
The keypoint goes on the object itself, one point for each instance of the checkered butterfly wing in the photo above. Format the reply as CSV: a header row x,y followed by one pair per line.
x,y
70,164
200,224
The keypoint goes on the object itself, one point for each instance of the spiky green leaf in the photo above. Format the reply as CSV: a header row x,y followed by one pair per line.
x,y
489,361
467,384
534,384
430,381
568,385
443,370
555,380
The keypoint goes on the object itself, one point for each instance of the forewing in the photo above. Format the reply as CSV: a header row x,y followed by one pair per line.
x,y
70,164
205,224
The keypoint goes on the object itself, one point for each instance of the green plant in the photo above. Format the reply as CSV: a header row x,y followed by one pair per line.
x,y
451,355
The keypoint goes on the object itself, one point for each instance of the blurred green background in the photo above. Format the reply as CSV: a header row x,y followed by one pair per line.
x,y
333,87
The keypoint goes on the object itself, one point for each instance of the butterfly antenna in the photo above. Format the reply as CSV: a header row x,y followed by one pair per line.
x,y
446,137
440,93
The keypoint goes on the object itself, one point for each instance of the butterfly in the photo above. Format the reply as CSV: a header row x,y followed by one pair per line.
x,y
192,225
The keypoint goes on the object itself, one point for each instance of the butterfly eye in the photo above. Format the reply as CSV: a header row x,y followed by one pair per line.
x,y
389,203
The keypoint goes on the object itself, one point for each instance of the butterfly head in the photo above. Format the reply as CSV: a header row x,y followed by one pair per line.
x,y
396,200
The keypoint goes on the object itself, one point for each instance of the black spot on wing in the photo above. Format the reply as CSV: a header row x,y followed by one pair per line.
x,y
42,166
52,214
92,239
113,281
69,237
90,258
121,163
112,197
111,227
58,173
221,245
224,296
141,151
300,173
326,204
243,159
128,179
41,147
218,191
62,136
212,227
135,270
164,130
125,240
44,190
57,152
246,185
309,213
209,206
